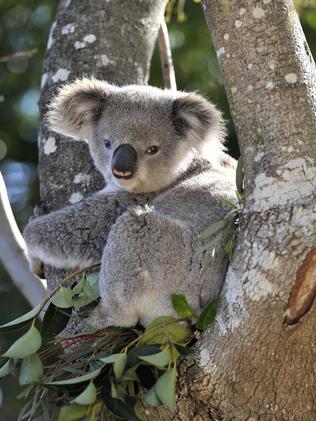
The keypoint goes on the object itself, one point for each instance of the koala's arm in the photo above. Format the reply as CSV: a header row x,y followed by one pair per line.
x,y
74,237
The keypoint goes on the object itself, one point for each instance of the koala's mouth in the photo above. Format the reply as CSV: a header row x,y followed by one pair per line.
x,y
126,175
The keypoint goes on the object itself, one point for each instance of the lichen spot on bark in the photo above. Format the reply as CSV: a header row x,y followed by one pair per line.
x,y
50,146
291,78
60,75
258,12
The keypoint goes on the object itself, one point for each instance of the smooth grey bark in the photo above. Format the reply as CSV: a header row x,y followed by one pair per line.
x,y
111,40
13,253
251,365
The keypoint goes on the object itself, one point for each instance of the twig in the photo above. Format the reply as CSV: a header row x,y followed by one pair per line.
x,y
13,253
28,53
166,58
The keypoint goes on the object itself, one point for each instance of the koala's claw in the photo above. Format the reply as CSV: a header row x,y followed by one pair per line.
x,y
36,267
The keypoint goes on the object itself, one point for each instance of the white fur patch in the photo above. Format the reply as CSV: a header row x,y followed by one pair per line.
x,y
75,197
82,178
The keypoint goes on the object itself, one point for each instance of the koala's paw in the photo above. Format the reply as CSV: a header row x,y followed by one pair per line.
x,y
36,267
96,318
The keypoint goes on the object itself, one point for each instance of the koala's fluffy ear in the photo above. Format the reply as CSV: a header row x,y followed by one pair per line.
x,y
196,118
77,106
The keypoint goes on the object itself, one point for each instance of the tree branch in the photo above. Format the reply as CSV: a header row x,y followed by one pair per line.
x,y
166,58
13,254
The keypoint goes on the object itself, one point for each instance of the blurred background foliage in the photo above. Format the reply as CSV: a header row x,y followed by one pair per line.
x,y
24,28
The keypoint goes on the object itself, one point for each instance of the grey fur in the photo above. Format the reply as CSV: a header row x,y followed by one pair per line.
x,y
142,229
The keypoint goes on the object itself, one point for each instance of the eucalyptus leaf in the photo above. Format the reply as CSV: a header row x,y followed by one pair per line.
x,y
92,375
151,397
166,388
182,307
25,318
26,345
229,203
88,396
166,329
5,369
63,298
207,316
93,278
158,360
72,412
31,370
117,406
55,320
77,288
118,361
130,375
132,356
212,229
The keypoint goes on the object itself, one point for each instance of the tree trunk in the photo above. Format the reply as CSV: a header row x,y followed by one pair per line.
x,y
111,40
252,365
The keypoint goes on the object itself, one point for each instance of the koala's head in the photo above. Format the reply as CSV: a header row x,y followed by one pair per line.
x,y
141,138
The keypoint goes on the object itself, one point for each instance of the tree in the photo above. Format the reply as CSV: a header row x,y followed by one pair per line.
x,y
251,363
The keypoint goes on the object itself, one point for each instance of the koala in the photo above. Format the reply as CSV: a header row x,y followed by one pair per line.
x,y
166,171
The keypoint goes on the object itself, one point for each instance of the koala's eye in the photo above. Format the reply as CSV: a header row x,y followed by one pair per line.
x,y
107,143
152,150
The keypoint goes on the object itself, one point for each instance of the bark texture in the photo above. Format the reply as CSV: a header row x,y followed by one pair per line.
x,y
111,40
251,365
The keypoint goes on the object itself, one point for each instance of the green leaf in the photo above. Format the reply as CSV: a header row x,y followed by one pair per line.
x,y
77,288
132,356
166,388
72,412
182,307
207,316
151,397
88,396
158,360
25,318
63,298
229,203
26,345
166,329
117,406
93,278
118,361
76,380
5,369
55,320
31,370
90,291
212,229
130,375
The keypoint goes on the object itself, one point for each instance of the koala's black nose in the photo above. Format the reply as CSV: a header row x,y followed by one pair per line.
x,y
124,161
